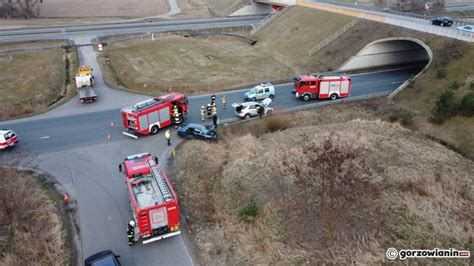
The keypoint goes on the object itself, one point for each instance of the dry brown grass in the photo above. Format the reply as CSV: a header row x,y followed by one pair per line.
x,y
189,65
105,8
33,80
426,201
32,229
301,29
208,8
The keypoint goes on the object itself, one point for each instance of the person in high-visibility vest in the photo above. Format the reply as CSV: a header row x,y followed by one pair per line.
x,y
131,233
177,119
224,102
214,109
168,137
203,113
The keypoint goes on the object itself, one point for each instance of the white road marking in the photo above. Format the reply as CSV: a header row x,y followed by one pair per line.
x,y
45,137
395,82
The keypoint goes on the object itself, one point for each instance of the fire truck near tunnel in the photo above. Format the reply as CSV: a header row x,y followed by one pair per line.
x,y
153,200
149,116
320,86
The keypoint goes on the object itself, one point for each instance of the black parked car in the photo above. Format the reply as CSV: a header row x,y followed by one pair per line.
x,y
442,21
104,258
192,131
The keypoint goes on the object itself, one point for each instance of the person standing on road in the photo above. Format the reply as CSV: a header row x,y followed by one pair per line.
x,y
203,113
260,111
131,233
209,110
214,119
168,137
224,102
213,99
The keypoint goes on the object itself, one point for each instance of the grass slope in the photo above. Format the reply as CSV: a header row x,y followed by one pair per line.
x,y
208,8
32,225
189,65
426,191
33,80
296,32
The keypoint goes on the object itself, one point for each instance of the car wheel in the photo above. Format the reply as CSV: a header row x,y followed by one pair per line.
x,y
272,96
154,130
247,116
254,99
306,97
333,96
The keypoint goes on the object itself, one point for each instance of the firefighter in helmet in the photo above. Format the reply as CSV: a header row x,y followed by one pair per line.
x,y
213,99
214,109
224,102
203,113
209,110
260,110
177,118
131,233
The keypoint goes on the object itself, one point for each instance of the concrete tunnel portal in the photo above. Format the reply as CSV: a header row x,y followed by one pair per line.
x,y
390,52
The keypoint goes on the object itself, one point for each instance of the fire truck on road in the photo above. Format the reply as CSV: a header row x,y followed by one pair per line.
x,y
321,86
149,116
153,200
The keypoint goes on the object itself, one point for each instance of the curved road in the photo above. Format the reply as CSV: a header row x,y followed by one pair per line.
x,y
70,143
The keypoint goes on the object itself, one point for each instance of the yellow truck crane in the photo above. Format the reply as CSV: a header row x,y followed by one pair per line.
x,y
85,84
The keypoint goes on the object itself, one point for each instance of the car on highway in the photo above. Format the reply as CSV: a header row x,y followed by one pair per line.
x,y
103,258
442,21
196,131
468,28
8,138
249,109
260,92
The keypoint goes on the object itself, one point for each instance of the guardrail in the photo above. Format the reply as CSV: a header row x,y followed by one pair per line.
x,y
407,20
264,22
457,21
336,35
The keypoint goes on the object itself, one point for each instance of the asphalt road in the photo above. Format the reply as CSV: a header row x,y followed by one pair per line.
x,y
68,32
81,130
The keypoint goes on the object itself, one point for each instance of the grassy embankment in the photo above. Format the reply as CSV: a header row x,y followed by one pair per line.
x,y
33,222
202,64
35,81
426,197
208,8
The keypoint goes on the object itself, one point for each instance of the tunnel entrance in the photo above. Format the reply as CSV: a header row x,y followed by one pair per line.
x,y
389,53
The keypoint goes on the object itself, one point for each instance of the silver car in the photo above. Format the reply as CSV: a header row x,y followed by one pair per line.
x,y
248,109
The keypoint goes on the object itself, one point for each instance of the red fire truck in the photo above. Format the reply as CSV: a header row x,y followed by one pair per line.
x,y
149,116
321,86
153,200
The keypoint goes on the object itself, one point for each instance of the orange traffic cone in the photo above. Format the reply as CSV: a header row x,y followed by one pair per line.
x,y
109,137
112,124
66,198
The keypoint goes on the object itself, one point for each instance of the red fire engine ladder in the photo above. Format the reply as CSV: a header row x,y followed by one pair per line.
x,y
165,191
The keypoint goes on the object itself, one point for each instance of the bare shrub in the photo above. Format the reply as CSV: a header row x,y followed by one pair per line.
x,y
337,176
276,123
19,8
29,216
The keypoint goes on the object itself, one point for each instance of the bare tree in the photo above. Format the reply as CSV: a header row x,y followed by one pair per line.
x,y
19,8
335,182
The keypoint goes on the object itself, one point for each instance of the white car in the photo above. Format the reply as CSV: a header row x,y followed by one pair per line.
x,y
468,28
8,138
248,109
259,92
